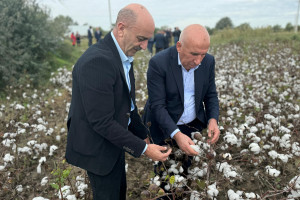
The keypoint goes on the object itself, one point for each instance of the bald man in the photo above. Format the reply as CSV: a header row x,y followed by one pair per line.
x,y
182,91
103,121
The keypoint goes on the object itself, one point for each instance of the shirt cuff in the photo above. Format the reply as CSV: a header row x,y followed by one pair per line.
x,y
145,149
174,132
211,119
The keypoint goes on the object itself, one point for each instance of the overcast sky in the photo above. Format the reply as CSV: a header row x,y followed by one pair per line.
x,y
171,13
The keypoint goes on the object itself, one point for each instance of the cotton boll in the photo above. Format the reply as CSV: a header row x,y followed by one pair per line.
x,y
19,188
39,169
71,197
273,154
232,195
8,142
52,149
167,187
212,191
283,158
39,198
271,171
8,158
227,156
296,149
50,131
295,183
197,159
195,195
230,138
253,129
44,181
126,167
65,190
57,138
81,187
196,148
254,147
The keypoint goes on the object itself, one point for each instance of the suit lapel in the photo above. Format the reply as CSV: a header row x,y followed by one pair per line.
x,y
199,78
117,59
177,72
132,83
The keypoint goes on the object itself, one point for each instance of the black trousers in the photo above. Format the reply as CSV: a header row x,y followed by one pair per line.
x,y
187,129
111,186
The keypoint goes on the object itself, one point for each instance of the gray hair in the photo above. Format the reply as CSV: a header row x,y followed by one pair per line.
x,y
127,16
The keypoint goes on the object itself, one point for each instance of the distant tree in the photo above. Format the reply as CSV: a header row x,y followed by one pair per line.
x,y
277,28
223,23
27,35
244,27
61,24
209,30
289,27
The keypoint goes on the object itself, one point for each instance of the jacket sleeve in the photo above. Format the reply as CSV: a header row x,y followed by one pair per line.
x,y
210,100
96,84
156,77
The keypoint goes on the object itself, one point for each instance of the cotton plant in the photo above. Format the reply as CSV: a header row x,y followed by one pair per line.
x,y
294,187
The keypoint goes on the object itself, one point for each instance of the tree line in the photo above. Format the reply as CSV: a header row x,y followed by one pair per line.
x,y
27,36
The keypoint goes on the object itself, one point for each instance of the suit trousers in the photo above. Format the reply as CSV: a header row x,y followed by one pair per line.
x,y
111,186
187,129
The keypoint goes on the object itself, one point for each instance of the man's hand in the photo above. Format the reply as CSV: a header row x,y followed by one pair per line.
x,y
154,152
184,143
213,131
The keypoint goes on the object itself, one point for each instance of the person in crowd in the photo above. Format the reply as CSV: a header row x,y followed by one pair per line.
x,y
160,41
77,38
182,92
176,34
98,34
168,35
150,45
90,36
103,121
73,39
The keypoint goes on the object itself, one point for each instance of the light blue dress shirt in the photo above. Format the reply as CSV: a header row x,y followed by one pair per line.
x,y
189,112
126,60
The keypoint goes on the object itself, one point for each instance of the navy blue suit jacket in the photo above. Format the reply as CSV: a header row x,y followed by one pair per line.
x,y
98,130
165,104
160,40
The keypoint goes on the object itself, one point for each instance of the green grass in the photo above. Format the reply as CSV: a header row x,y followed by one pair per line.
x,y
260,35
67,55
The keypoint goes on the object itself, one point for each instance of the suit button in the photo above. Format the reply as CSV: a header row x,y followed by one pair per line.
x,y
128,114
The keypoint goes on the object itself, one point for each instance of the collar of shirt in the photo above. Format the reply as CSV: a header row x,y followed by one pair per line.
x,y
126,60
179,63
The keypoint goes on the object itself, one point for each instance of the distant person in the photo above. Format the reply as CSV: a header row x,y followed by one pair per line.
x,y
73,39
77,38
160,41
176,35
182,92
103,121
150,45
168,35
90,36
98,34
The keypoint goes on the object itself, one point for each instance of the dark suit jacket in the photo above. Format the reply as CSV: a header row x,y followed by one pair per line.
x,y
98,129
166,96
160,41
98,35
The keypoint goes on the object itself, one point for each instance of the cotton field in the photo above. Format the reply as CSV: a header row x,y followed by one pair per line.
x,y
257,156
